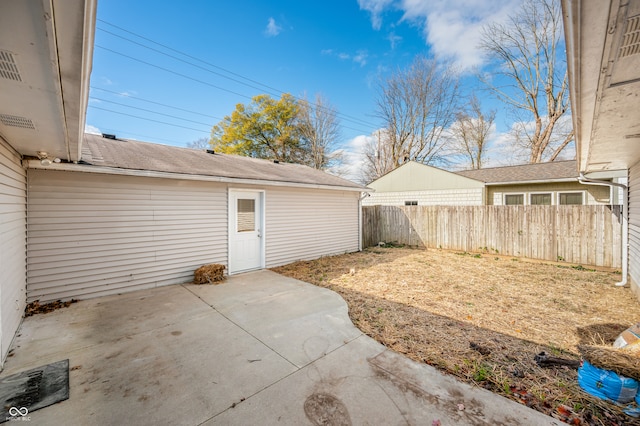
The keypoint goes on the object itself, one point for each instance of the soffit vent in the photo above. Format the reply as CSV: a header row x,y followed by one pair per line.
x,y
8,66
631,38
14,121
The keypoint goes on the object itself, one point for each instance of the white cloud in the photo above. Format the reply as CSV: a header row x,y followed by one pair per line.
x,y
394,40
88,128
353,156
375,7
273,29
361,57
451,27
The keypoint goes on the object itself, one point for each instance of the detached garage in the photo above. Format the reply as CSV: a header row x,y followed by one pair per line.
x,y
133,215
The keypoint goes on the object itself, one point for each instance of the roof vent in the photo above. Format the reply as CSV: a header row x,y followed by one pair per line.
x,y
210,151
8,66
631,38
108,136
14,121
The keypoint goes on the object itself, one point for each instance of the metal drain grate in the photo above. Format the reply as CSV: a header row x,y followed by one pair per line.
x,y
15,121
631,38
31,390
9,67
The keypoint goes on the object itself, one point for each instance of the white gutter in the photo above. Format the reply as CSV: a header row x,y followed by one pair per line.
x,y
527,182
69,167
366,194
625,221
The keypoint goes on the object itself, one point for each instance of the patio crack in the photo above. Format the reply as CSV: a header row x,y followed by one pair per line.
x,y
243,329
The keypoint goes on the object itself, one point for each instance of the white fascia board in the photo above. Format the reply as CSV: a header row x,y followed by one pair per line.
x,y
35,164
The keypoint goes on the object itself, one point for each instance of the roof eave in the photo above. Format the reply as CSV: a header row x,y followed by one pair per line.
x,y
35,164
529,182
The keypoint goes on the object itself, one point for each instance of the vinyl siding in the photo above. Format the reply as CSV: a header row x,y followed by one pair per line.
x,y
448,197
306,224
13,204
634,228
93,235
593,194
413,176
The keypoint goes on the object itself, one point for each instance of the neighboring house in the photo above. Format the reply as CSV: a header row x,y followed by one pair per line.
x,y
553,183
603,57
84,216
418,184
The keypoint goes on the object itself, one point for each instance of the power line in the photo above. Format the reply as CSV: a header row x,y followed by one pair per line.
x,y
155,103
149,119
192,78
148,138
152,112
278,92
172,72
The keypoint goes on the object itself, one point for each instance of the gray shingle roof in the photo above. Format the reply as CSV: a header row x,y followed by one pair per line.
x,y
135,155
543,172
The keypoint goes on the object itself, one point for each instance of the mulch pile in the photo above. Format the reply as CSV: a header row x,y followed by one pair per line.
x,y
209,274
36,307
622,362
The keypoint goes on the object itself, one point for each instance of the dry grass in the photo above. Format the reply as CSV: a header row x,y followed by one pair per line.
x,y
483,318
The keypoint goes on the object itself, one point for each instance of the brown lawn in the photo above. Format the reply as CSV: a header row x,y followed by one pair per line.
x,y
483,318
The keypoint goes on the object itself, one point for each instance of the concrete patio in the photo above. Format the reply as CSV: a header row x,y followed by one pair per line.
x,y
258,349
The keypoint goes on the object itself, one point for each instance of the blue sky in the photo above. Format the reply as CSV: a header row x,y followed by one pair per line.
x,y
243,48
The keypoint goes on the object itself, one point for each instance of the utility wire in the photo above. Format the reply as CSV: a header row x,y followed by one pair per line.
x,y
152,112
278,92
155,103
149,119
191,78
147,137
173,72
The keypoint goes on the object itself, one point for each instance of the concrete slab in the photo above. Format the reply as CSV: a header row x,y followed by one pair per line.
x,y
299,321
105,319
362,383
185,372
258,349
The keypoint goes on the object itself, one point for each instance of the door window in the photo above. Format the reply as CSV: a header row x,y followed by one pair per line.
x,y
246,215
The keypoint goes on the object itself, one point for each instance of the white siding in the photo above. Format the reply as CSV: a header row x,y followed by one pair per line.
x,y
634,228
13,204
593,194
448,197
92,235
304,224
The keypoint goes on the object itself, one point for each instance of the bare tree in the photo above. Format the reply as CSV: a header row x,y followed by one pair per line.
x,y
201,143
378,157
529,59
471,132
320,130
417,104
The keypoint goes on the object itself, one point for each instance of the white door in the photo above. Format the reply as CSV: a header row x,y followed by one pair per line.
x,y
246,247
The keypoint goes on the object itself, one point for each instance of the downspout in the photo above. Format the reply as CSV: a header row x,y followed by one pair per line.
x,y
366,194
625,221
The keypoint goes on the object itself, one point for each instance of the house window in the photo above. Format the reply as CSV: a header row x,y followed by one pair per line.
x,y
540,199
410,203
246,215
513,199
571,198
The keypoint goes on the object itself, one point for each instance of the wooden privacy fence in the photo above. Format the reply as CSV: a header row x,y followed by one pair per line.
x,y
585,235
